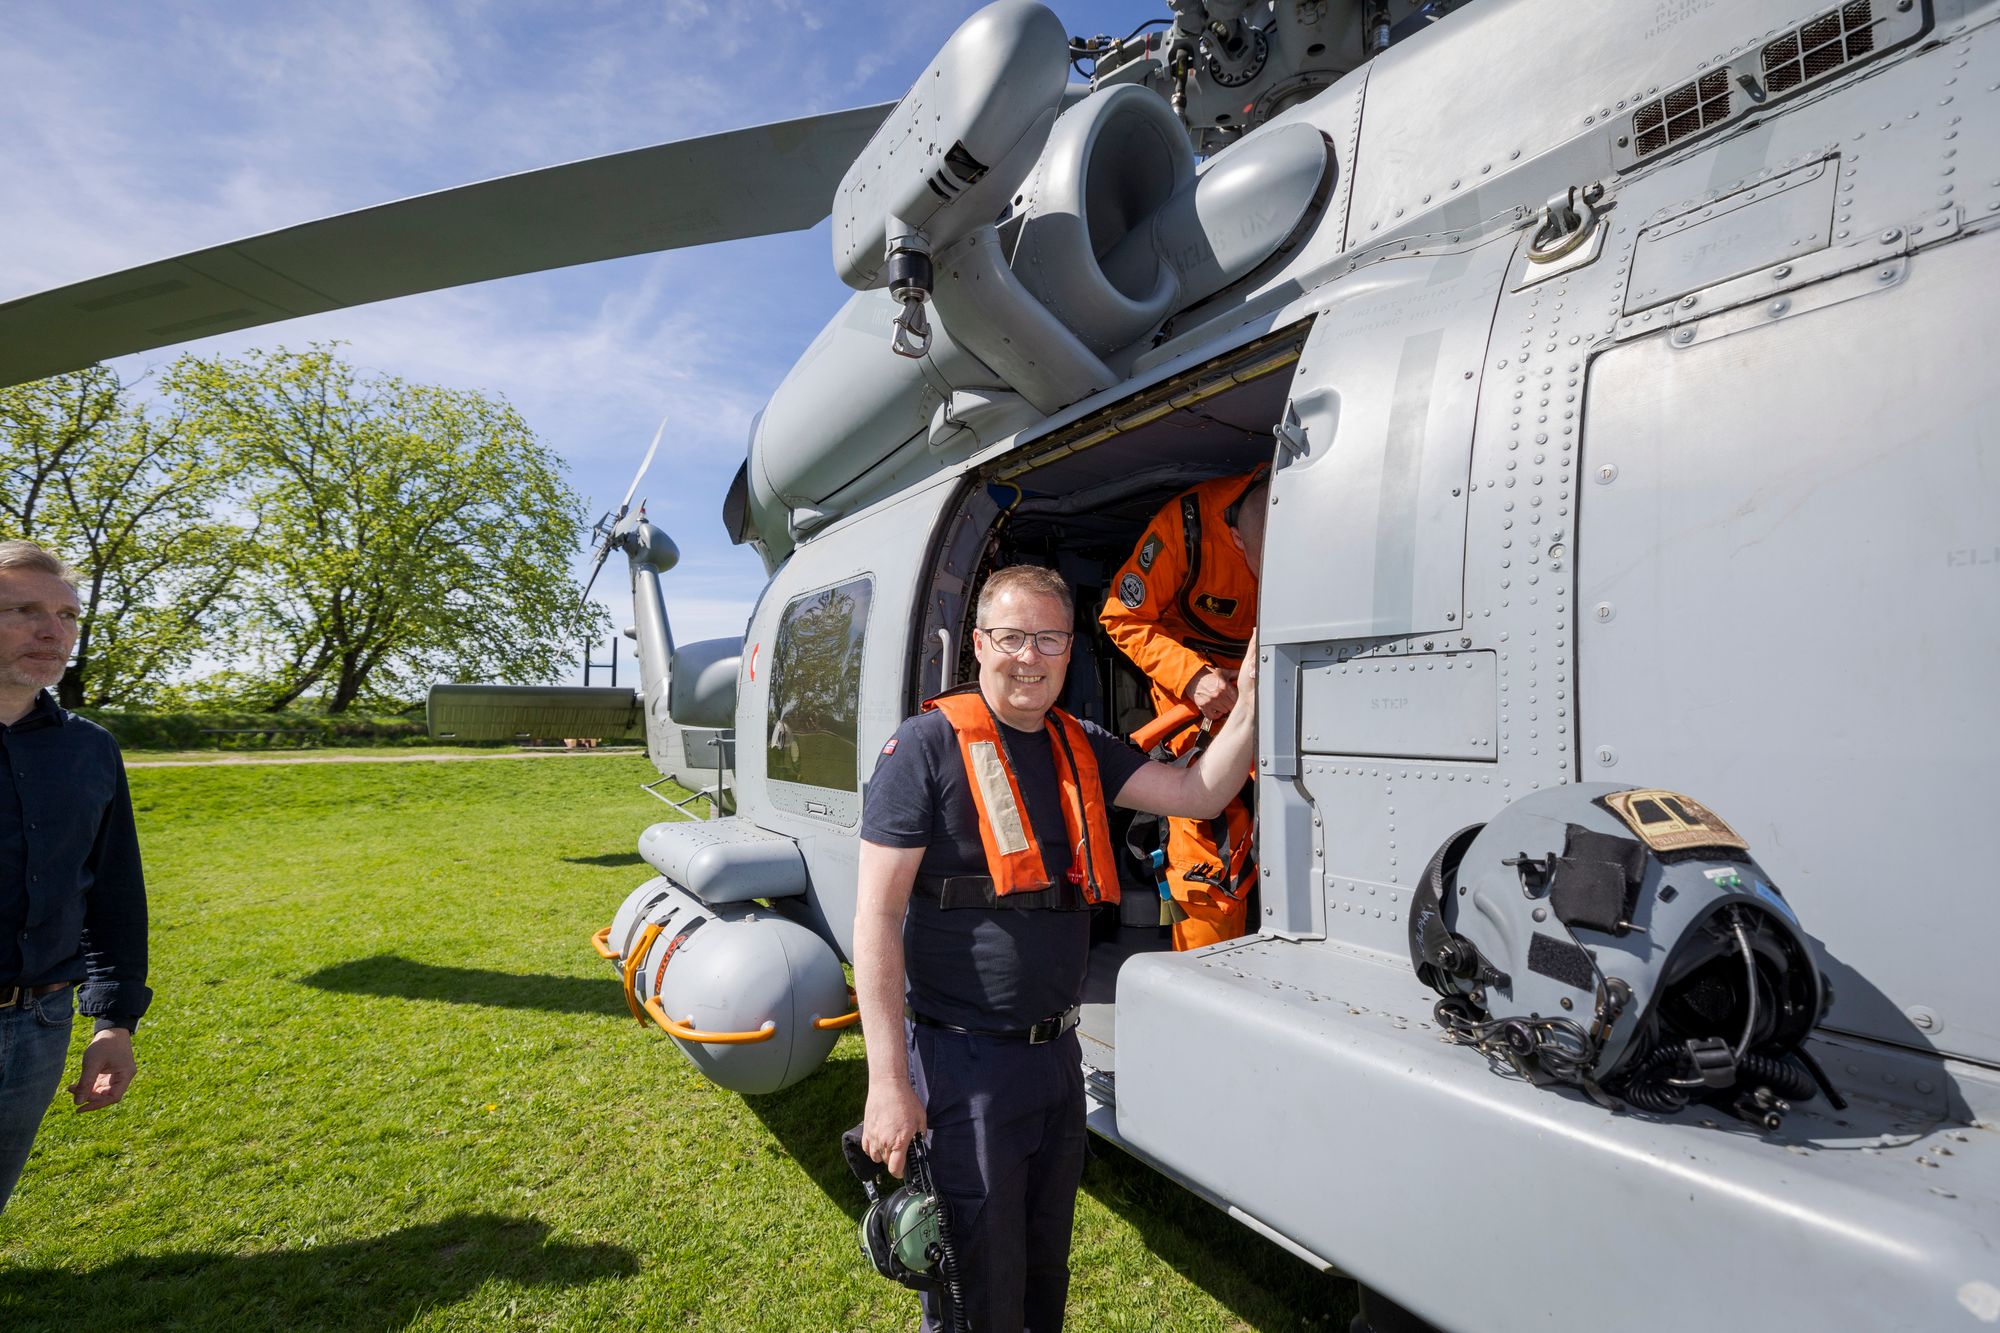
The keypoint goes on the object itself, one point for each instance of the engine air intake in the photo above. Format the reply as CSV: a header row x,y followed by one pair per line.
x,y
1802,58
1819,47
960,172
1682,113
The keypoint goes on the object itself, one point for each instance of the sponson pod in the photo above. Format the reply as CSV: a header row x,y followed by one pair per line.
x,y
753,1000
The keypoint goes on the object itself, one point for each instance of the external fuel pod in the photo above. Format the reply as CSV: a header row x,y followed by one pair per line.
x,y
754,1000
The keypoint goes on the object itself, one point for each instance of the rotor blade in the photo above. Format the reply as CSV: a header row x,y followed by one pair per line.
x,y
748,182
640,475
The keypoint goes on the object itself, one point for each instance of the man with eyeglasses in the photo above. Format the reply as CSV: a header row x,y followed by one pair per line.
x,y
984,842
72,900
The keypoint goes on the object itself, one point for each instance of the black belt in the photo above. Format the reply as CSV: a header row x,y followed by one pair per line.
x,y
12,997
1039,1035
956,892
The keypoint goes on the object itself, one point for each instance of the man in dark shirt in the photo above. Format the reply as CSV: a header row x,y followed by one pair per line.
x,y
969,973
72,901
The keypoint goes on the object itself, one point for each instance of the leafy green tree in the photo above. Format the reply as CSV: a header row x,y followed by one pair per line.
x,y
138,502
405,532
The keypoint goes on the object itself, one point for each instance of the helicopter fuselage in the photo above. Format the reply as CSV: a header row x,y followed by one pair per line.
x,y
1628,403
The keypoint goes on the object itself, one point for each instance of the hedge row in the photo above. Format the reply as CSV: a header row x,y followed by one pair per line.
x,y
239,731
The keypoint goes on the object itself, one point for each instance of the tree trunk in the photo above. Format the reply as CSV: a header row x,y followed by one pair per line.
x,y
347,688
69,690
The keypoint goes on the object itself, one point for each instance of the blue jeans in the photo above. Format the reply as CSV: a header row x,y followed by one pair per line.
x,y
34,1045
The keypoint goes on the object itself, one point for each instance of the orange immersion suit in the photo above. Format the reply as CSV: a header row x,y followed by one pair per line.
x,y
1186,600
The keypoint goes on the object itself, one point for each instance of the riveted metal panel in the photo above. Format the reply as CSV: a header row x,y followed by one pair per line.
x,y
1616,55
1789,582
1383,820
1778,219
1427,706
1838,39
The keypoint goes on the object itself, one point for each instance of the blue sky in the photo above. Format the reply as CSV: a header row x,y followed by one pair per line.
x,y
135,132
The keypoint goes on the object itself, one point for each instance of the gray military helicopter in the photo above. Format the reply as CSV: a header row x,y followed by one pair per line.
x,y
1629,607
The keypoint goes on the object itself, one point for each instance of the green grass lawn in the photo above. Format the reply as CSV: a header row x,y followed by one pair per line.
x,y
386,1084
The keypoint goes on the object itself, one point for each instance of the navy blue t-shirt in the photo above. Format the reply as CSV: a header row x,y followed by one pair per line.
x,y
987,968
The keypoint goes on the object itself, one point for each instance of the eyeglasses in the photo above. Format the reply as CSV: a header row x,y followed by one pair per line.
x,y
1048,642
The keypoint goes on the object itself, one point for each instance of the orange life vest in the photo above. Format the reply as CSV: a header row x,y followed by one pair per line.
x,y
1013,857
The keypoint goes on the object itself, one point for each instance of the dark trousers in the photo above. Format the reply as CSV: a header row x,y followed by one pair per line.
x,y
1007,1146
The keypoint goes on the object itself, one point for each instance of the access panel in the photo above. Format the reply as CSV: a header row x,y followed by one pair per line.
x,y
1789,611
1367,530
1426,706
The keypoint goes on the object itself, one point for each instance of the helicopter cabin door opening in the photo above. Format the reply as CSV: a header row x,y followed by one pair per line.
x,y
1078,502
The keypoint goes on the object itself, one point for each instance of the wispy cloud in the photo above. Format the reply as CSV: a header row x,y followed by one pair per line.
x,y
151,130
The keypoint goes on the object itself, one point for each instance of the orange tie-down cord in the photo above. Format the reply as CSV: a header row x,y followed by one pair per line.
x,y
601,942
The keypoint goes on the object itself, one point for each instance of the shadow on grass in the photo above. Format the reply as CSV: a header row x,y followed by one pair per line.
x,y
808,1119
608,859
1265,1287
381,1282
401,978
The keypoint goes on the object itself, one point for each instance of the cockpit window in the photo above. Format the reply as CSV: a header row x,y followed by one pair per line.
x,y
816,688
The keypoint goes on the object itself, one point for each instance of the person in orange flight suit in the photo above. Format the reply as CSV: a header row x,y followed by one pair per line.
x,y
1182,608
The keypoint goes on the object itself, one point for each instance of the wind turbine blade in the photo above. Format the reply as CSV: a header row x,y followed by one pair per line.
x,y
596,567
624,506
747,182
644,463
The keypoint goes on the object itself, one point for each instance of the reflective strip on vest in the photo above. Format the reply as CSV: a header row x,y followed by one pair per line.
x,y
999,811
